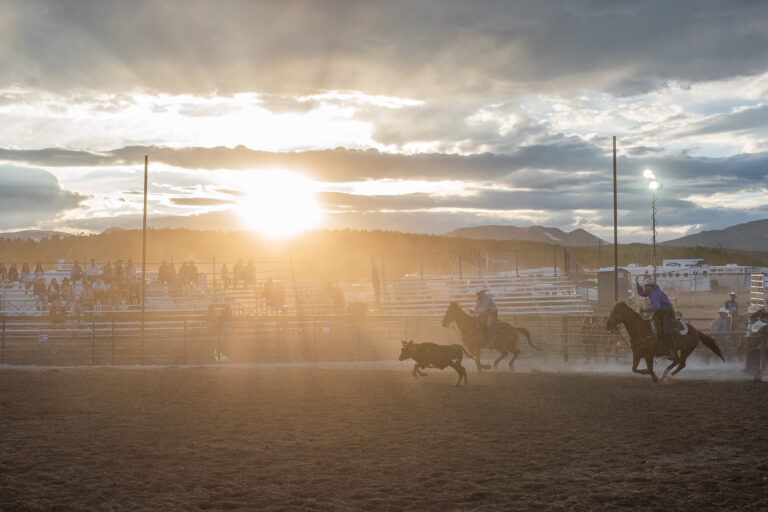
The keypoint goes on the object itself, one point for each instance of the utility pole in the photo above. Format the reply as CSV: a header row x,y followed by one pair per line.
x,y
615,232
143,261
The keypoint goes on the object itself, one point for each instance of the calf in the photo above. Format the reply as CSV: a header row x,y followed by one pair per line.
x,y
432,355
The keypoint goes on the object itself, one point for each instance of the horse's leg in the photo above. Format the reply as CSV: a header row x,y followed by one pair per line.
x,y
683,356
515,353
667,370
635,362
649,364
503,354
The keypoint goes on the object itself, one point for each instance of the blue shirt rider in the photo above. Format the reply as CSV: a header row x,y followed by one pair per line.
x,y
487,314
663,315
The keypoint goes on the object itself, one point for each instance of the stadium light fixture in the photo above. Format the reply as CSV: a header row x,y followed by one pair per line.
x,y
653,186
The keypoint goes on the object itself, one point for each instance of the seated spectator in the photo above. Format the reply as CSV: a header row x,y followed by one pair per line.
x,y
119,270
41,297
250,274
39,272
54,291
92,271
25,275
100,291
67,292
130,270
86,297
13,273
76,274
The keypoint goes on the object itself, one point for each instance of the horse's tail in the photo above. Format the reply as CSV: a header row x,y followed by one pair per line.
x,y
527,336
711,344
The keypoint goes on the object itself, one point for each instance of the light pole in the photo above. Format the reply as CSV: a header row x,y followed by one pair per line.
x,y
653,185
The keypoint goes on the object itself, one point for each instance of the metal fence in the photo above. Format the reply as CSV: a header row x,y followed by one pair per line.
x,y
120,339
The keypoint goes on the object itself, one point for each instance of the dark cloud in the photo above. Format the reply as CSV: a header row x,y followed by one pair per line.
x,y
29,196
448,48
748,119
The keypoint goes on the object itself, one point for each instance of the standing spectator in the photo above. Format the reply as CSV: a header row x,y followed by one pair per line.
x,y
192,273
106,271
76,274
25,275
39,272
38,290
225,279
92,271
86,298
13,273
720,327
99,291
3,274
162,273
238,272
731,305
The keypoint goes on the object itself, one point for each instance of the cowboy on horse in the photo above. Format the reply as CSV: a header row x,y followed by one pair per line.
x,y
663,315
487,315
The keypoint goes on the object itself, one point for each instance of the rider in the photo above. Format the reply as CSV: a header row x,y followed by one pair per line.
x,y
663,315
487,314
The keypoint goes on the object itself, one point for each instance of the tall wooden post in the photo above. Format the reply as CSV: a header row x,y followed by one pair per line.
x,y
143,262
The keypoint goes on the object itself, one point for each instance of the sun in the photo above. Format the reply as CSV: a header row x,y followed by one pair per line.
x,y
279,203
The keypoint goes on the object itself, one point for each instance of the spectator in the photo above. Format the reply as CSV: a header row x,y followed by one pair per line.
x,y
54,292
250,274
38,290
67,292
720,327
39,272
118,271
238,272
192,272
225,279
3,273
13,273
92,271
86,297
100,291
130,270
184,273
162,273
106,271
25,275
731,305
76,274
171,273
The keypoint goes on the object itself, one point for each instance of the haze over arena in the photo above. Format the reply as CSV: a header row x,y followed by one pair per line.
x,y
415,116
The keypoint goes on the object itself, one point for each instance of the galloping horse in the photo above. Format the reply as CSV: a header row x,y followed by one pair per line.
x,y
645,343
472,336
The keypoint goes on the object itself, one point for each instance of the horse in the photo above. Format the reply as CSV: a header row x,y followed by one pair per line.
x,y
474,341
645,344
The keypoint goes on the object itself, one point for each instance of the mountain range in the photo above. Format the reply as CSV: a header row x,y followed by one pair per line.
x,y
575,238
750,236
33,234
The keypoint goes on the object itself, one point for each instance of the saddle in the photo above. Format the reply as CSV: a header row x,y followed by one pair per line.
x,y
681,327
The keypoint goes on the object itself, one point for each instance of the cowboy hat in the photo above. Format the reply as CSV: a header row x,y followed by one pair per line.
x,y
649,282
757,326
481,289
723,310
732,293
754,308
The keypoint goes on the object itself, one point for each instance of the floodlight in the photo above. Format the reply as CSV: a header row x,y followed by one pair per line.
x,y
648,174
653,185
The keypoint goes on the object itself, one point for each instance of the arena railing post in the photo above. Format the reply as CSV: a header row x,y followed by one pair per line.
x,y
564,328
112,357
2,353
93,347
184,348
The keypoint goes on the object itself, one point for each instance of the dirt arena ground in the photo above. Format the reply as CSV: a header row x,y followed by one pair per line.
x,y
259,438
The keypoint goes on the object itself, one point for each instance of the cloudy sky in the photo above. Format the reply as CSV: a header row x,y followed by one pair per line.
x,y
416,115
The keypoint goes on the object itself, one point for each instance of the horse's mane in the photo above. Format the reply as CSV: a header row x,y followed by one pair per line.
x,y
624,306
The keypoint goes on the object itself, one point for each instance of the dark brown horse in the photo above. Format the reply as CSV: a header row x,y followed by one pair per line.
x,y
474,341
645,344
